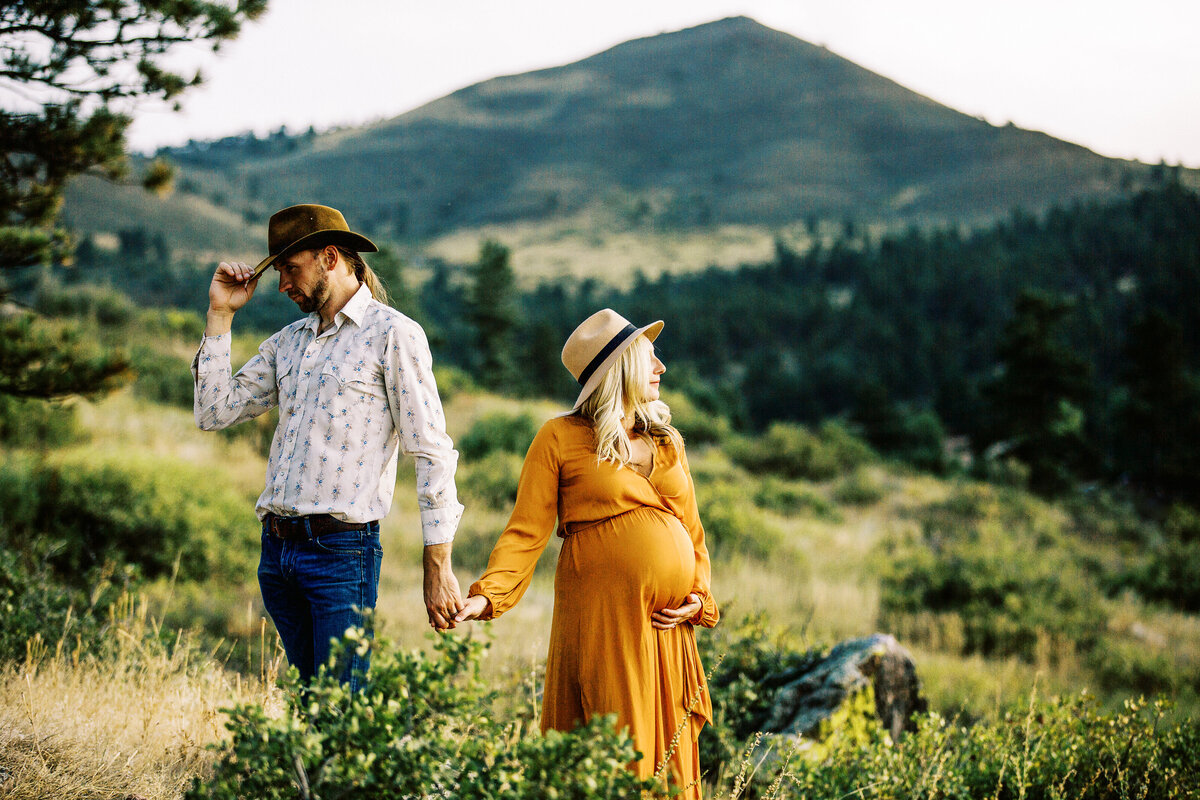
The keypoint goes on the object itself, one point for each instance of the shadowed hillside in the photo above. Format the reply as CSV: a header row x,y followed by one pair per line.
x,y
726,123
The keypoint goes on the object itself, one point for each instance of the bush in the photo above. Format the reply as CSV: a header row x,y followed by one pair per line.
x,y
1168,573
423,727
36,608
743,657
453,381
790,498
733,525
148,513
998,564
162,378
36,423
498,431
859,488
697,426
1051,749
109,306
492,480
792,451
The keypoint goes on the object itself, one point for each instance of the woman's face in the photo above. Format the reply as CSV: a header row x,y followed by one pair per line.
x,y
657,368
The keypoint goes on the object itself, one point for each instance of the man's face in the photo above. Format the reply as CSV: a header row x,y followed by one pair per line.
x,y
303,278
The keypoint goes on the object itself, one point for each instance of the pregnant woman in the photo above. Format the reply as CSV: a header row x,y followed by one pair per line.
x,y
633,574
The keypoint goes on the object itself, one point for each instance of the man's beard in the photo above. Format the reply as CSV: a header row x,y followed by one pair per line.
x,y
311,302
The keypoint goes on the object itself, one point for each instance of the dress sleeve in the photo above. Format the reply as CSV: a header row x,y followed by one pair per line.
x,y
510,566
708,614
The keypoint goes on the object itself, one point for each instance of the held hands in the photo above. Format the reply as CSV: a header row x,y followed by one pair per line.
x,y
668,618
473,607
442,596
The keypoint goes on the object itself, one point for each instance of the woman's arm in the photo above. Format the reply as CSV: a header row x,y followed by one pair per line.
x,y
510,566
708,613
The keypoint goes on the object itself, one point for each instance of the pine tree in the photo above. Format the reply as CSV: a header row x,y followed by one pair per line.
x,y
1038,398
494,315
73,70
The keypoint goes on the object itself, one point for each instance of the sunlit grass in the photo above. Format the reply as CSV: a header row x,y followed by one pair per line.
x,y
135,724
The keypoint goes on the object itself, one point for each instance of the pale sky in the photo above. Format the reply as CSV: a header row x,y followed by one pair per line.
x,y
1122,78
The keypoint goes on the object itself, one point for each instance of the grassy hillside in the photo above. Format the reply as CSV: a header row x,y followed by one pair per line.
x,y
998,594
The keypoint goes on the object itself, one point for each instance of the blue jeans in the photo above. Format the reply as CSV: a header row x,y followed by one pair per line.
x,y
315,588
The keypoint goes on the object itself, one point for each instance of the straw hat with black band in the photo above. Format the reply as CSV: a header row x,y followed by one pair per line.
x,y
307,227
597,343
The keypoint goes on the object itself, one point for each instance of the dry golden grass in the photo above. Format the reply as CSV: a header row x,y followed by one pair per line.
x,y
137,724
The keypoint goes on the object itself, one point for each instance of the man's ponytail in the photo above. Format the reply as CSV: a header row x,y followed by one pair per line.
x,y
366,275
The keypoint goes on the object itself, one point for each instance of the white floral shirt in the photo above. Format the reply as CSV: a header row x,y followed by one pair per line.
x,y
349,400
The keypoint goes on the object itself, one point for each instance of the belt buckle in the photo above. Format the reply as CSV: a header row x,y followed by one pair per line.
x,y
276,527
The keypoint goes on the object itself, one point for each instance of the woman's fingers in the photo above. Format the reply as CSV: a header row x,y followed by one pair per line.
x,y
472,608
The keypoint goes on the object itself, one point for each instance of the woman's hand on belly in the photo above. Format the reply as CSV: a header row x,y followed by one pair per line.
x,y
668,618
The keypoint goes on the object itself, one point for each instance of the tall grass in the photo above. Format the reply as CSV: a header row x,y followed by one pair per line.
x,y
136,723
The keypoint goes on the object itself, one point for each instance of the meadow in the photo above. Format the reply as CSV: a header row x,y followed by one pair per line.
x,y
1006,600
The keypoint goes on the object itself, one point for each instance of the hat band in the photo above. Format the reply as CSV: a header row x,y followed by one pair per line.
x,y
605,352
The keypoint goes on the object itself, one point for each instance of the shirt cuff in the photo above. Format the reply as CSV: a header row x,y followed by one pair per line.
x,y
438,525
214,354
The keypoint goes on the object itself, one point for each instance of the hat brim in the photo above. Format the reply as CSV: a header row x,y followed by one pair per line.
x,y
651,331
348,239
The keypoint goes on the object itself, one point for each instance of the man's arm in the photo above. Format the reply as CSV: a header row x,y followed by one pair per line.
x,y
443,599
221,399
417,414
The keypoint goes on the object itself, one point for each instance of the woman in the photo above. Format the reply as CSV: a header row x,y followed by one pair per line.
x,y
633,574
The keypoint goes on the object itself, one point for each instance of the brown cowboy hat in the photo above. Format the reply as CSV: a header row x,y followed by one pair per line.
x,y
307,227
597,343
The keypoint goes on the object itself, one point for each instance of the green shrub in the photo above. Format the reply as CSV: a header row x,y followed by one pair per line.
x,y
422,728
742,656
792,451
507,433
162,378
148,513
733,525
1001,566
453,381
790,498
492,480
36,608
109,306
36,423
1062,748
697,426
859,488
1129,665
1167,573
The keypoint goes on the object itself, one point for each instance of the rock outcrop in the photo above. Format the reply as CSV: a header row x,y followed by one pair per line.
x,y
812,694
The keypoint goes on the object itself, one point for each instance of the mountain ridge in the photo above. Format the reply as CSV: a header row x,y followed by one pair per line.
x,y
726,123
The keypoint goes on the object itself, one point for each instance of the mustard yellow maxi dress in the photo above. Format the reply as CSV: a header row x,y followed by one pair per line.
x,y
632,545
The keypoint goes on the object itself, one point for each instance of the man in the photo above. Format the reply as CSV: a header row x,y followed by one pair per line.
x,y
354,386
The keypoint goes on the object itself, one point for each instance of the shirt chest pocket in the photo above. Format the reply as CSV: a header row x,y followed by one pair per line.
x,y
351,385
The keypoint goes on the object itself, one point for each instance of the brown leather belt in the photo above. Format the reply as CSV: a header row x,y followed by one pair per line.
x,y
289,528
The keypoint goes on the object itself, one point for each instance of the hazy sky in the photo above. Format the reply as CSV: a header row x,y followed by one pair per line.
x,y
1122,78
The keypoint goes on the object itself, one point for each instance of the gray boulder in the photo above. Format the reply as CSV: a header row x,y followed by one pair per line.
x,y
813,693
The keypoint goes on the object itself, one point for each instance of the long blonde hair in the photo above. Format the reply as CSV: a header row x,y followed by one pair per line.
x,y
623,390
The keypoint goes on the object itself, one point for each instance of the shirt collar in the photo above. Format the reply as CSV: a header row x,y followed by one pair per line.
x,y
355,309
